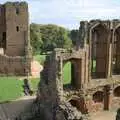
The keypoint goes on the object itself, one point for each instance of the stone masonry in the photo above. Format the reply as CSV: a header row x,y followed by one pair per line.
x,y
95,73
14,39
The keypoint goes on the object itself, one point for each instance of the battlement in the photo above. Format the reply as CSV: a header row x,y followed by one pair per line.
x,y
16,4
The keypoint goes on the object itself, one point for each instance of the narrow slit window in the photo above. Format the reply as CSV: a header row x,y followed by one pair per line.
x,y
17,28
3,43
17,11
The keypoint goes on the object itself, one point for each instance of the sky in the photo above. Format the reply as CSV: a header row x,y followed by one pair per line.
x,y
69,13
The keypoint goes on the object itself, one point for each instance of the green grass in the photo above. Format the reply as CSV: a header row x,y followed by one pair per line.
x,y
67,73
11,87
34,83
94,65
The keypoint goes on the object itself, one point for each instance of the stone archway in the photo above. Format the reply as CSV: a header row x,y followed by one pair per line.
x,y
99,51
75,71
116,52
98,97
117,91
79,103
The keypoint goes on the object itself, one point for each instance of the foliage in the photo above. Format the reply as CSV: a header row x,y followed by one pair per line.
x,y
45,38
40,58
74,36
35,38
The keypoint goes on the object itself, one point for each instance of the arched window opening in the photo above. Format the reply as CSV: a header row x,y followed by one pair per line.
x,y
99,52
17,28
17,11
72,73
67,73
98,97
79,104
117,92
116,52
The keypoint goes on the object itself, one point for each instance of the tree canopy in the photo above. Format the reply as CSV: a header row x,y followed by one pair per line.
x,y
45,38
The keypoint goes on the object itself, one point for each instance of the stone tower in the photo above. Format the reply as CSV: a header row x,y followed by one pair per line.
x,y
14,38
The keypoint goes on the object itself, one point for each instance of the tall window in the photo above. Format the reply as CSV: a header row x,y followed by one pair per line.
x,y
0,11
3,42
99,52
17,28
17,11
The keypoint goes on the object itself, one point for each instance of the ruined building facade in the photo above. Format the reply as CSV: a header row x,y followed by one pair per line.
x,y
95,74
14,38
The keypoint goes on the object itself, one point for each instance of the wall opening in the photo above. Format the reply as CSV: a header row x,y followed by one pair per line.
x,y
67,73
72,73
79,103
116,52
99,52
98,97
117,92
17,11
3,41
17,28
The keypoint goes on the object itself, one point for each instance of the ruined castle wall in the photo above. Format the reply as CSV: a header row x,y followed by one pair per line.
x,y
2,18
2,22
14,38
16,28
12,65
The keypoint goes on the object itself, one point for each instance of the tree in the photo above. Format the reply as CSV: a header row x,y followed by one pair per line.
x,y
45,38
74,36
54,36
35,38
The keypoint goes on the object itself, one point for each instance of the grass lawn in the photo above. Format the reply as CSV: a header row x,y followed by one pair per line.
x,y
67,73
11,87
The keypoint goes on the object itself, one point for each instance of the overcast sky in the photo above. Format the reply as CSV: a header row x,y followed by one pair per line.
x,y
69,13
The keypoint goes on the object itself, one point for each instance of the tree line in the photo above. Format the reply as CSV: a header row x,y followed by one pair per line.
x,y
45,38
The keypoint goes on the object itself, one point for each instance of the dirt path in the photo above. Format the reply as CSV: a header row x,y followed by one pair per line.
x,y
106,115
36,68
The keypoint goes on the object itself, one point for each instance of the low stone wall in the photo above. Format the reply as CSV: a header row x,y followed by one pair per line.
x,y
12,65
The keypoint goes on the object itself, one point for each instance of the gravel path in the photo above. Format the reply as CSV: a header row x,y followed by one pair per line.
x,y
106,115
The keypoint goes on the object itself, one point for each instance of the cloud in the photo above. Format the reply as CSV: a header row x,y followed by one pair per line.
x,y
68,13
